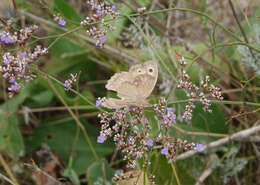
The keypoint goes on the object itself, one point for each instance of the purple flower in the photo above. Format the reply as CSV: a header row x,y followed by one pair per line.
x,y
12,80
146,120
62,22
164,151
165,117
6,62
173,118
99,13
169,110
149,142
101,139
131,107
103,38
95,6
199,147
113,8
23,54
98,102
14,87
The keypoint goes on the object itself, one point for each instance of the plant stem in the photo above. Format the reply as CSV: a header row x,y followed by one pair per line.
x,y
175,174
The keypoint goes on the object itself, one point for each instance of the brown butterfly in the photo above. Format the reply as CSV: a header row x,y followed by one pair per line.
x,y
132,87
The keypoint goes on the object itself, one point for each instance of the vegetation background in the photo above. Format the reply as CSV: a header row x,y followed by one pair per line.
x,y
42,142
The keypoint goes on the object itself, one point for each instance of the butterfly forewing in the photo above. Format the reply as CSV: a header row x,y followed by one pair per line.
x,y
133,87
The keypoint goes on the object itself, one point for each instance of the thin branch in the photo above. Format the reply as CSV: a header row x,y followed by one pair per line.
x,y
8,170
61,108
204,175
35,167
7,179
239,135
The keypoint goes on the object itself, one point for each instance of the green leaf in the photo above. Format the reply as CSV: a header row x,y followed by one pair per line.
x,y
70,173
10,137
60,137
67,10
163,171
96,170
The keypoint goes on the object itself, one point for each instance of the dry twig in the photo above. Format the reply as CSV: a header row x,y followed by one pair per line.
x,y
239,135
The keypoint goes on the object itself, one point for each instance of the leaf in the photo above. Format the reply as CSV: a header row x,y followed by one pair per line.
x,y
43,98
60,138
70,173
163,171
15,143
10,137
96,170
67,10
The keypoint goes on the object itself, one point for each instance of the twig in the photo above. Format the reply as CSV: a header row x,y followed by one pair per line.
x,y
8,170
35,167
204,175
7,179
239,135
79,107
242,114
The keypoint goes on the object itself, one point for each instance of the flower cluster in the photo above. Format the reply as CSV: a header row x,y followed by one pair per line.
x,y
193,91
100,11
7,37
60,20
68,83
171,148
15,68
135,138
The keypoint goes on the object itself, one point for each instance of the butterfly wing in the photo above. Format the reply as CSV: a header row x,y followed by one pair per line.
x,y
114,82
114,103
140,87
133,86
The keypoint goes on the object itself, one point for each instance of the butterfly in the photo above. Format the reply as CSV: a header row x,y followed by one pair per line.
x,y
132,87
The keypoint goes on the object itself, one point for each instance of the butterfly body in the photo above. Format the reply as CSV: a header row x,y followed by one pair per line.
x,y
133,87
